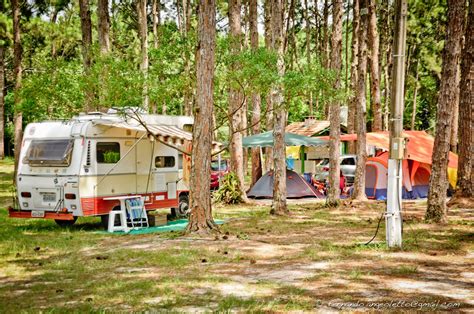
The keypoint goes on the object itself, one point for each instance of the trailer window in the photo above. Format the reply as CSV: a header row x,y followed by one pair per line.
x,y
49,153
108,152
164,162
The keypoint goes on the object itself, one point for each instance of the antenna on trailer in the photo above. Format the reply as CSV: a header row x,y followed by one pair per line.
x,y
393,217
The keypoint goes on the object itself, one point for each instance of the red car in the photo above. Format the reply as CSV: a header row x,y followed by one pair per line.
x,y
218,172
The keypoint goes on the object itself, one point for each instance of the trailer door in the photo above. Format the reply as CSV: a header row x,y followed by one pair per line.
x,y
144,171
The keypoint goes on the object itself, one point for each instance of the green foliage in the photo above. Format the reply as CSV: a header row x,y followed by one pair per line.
x,y
52,91
111,157
229,192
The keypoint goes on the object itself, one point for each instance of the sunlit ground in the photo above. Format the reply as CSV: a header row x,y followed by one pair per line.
x,y
313,259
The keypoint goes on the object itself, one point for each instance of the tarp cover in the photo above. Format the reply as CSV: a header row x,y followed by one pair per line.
x,y
266,140
296,187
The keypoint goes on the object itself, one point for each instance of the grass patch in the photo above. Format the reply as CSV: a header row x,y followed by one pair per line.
x,y
79,270
404,270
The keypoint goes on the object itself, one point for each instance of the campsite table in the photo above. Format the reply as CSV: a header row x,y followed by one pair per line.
x,y
123,206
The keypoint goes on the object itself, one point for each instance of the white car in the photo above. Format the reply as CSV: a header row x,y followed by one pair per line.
x,y
347,164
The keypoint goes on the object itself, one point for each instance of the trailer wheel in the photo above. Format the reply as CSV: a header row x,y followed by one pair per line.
x,y
183,207
65,223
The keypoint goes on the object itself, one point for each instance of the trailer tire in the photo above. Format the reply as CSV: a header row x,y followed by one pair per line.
x,y
183,207
66,223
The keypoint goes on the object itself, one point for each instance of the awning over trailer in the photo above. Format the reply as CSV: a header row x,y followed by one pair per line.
x,y
168,134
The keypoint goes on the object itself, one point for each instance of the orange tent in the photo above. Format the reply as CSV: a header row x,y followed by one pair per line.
x,y
419,148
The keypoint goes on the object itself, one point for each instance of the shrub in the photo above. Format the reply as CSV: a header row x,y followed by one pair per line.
x,y
229,192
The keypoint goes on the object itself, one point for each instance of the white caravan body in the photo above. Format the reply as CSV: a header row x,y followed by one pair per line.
x,y
67,168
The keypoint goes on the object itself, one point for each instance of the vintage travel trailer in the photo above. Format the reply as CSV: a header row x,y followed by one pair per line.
x,y
69,168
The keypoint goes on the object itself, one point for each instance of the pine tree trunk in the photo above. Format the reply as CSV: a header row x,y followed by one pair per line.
x,y
17,69
436,210
256,101
465,182
359,183
279,206
86,30
386,39
236,99
415,94
334,110
104,46
326,48
352,105
143,34
186,25
104,25
455,120
268,98
373,40
347,46
2,99
155,11
388,91
53,17
308,50
200,220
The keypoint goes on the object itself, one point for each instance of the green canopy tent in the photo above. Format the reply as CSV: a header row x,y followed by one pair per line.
x,y
266,140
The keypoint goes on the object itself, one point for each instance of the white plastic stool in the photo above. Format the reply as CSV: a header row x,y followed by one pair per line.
x,y
123,221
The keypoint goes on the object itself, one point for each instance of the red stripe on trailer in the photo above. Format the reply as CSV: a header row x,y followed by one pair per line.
x,y
92,206
13,213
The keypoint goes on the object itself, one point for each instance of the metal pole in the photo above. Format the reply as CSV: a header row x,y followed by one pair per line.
x,y
393,217
302,159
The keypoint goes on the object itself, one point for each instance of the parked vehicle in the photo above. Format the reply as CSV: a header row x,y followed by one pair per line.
x,y
68,168
347,165
217,172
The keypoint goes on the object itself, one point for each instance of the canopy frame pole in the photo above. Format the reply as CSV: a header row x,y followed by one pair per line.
x,y
302,159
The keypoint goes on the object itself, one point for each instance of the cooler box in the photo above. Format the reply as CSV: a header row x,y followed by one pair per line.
x,y
157,219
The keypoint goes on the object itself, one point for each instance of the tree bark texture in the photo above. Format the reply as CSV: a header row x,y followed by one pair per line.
x,y
17,69
236,99
455,119
359,183
352,105
86,30
386,44
268,98
186,25
415,94
2,101
466,113
155,11
201,220
104,25
256,101
143,34
335,109
436,210
279,206
373,40
326,48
